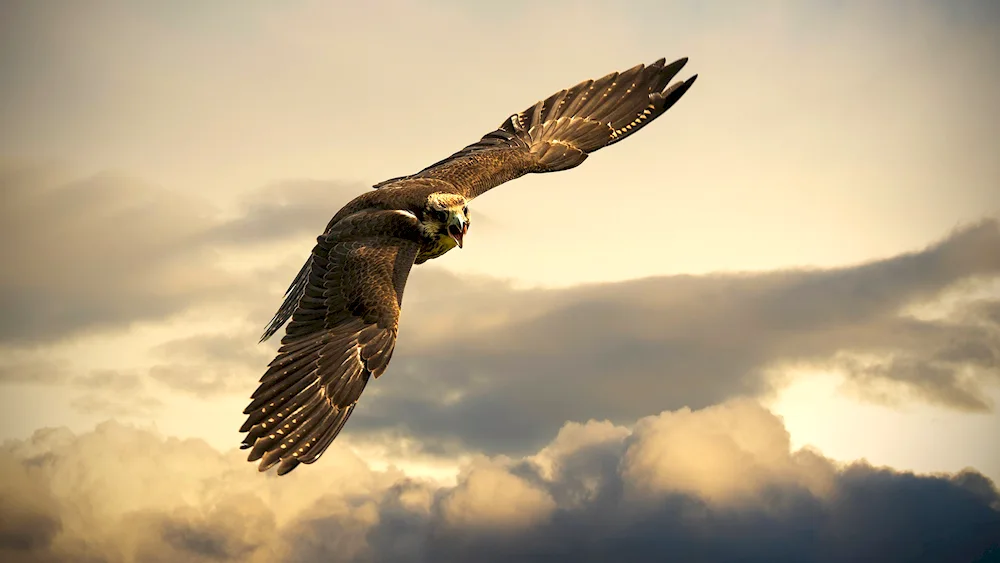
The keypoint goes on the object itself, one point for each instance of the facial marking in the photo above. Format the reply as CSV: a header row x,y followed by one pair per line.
x,y
446,220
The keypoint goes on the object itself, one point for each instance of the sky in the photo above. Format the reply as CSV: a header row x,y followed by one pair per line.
x,y
766,328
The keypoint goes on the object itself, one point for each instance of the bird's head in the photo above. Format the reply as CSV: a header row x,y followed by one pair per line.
x,y
446,216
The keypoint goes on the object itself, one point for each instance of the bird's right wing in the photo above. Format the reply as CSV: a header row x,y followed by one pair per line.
x,y
559,132
344,308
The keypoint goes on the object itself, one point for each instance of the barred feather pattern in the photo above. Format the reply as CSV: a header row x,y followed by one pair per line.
x,y
559,132
345,306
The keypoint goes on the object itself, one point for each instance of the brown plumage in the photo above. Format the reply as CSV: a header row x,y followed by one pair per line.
x,y
344,303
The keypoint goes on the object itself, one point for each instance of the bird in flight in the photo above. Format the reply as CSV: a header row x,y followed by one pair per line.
x,y
344,303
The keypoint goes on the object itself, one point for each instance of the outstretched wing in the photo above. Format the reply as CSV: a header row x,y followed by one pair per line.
x,y
344,310
559,132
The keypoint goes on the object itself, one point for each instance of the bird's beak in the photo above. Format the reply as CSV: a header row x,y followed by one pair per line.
x,y
457,229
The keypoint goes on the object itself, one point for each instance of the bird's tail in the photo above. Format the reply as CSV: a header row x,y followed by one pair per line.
x,y
563,129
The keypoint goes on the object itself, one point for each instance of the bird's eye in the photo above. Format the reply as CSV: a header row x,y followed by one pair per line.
x,y
465,210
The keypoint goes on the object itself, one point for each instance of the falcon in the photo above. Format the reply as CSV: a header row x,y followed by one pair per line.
x,y
344,304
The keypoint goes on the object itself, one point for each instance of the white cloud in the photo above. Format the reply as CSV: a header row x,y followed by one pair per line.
x,y
728,452
489,496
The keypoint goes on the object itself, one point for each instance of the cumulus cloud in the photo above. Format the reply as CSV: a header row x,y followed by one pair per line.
x,y
489,496
718,483
725,453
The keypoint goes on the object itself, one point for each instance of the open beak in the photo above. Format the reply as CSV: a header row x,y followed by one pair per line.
x,y
457,230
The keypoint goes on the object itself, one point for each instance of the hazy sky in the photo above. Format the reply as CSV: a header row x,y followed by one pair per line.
x,y
706,327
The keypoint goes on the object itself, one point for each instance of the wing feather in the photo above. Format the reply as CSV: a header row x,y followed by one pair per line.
x,y
344,314
559,132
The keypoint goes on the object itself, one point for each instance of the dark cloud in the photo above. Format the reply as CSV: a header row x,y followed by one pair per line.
x,y
104,251
481,364
892,523
720,484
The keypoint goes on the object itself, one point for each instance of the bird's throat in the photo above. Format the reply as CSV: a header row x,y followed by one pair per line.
x,y
436,246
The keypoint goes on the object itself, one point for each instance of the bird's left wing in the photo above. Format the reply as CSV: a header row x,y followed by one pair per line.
x,y
344,307
558,133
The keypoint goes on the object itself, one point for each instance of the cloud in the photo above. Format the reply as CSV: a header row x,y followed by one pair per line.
x,y
725,453
489,496
104,251
488,366
33,371
101,392
105,392
210,364
30,514
115,404
98,252
286,209
718,483
110,380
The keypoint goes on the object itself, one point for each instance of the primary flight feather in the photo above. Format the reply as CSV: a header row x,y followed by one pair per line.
x,y
344,303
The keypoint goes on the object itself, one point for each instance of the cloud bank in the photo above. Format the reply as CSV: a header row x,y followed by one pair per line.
x,y
719,484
